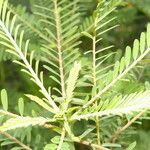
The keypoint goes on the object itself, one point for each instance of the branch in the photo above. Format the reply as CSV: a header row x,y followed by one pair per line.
x,y
15,140
119,131
61,139
97,120
8,113
98,147
49,126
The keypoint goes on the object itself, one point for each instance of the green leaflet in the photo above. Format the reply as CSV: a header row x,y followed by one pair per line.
x,y
55,79
16,148
148,35
12,25
21,38
131,146
127,56
73,76
4,10
87,35
135,49
50,147
4,99
1,3
39,102
94,89
84,134
65,146
116,69
55,139
21,106
122,65
7,143
109,77
142,42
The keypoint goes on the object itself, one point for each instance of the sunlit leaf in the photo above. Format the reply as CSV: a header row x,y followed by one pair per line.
x,y
4,99
21,106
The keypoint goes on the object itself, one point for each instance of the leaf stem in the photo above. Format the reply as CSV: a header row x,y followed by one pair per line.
x,y
119,131
8,114
15,140
94,84
98,147
59,47
61,139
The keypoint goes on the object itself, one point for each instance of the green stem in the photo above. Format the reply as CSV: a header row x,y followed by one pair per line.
x,y
94,84
59,48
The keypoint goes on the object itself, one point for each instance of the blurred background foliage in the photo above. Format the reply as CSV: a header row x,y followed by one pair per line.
x,y
132,18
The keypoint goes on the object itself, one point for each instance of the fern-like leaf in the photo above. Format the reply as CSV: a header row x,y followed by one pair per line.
x,y
21,122
61,49
7,31
121,105
73,76
123,67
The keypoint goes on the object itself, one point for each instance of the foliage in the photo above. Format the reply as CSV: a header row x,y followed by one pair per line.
x,y
82,89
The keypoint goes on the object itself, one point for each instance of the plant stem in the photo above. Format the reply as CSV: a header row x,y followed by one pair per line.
x,y
94,84
98,147
59,48
8,114
15,140
61,139
119,131
98,129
